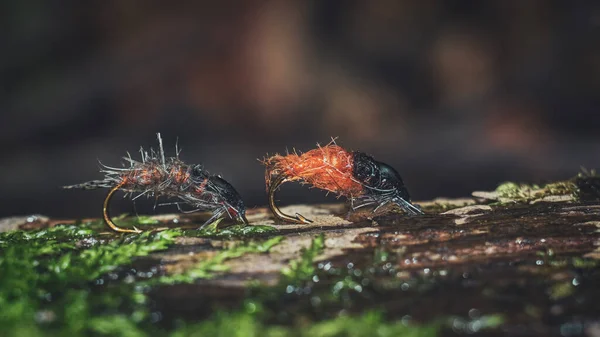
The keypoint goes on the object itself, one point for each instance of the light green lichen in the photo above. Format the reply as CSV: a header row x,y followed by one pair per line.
x,y
510,192
584,186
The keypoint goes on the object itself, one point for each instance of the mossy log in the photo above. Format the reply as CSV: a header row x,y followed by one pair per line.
x,y
535,265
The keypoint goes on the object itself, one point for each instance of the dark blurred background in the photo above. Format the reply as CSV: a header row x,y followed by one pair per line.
x,y
457,95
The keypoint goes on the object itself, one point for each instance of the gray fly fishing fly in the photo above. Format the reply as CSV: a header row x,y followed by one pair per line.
x,y
159,176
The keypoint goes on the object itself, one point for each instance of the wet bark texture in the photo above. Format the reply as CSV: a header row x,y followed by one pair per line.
x,y
536,265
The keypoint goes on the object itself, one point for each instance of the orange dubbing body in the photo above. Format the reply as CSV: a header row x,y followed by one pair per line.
x,y
142,177
180,174
328,168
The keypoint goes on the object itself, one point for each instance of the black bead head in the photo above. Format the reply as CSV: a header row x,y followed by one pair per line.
x,y
378,178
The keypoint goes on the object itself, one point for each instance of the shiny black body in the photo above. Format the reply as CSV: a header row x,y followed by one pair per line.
x,y
382,182
229,194
218,194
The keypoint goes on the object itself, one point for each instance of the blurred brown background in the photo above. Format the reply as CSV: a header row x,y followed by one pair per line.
x,y
457,95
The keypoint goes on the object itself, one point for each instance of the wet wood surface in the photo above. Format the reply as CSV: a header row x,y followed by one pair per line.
x,y
534,264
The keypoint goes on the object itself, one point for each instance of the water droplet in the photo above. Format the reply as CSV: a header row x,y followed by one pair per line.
x,y
156,317
571,329
250,307
45,316
474,326
458,325
474,313
338,286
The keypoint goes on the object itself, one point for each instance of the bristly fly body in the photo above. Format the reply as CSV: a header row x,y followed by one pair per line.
x,y
156,175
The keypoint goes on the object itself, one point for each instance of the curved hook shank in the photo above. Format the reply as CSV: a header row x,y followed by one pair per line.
x,y
275,184
106,217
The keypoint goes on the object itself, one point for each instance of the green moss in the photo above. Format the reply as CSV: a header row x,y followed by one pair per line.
x,y
45,277
48,286
553,264
476,324
557,263
318,291
439,207
368,324
242,324
553,261
238,230
143,222
585,186
560,188
207,268
381,256
303,269
146,220
213,230
517,192
509,192
561,290
115,325
583,263
588,185
45,241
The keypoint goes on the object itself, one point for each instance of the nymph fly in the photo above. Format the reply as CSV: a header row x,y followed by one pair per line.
x,y
157,176
354,175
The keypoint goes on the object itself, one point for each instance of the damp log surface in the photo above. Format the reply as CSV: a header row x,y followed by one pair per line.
x,y
534,265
